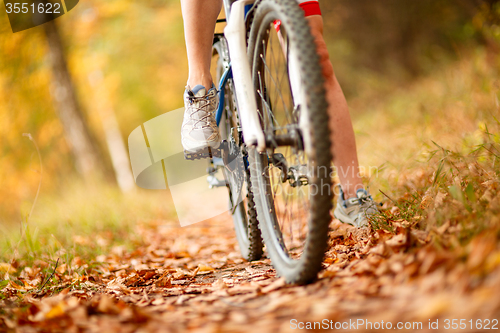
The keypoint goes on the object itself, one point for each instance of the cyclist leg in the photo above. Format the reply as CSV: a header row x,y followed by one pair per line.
x,y
199,128
354,202
199,24
344,149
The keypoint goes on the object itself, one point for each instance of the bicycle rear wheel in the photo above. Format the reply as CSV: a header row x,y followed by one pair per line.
x,y
243,213
291,181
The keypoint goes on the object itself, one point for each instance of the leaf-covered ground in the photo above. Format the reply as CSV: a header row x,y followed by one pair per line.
x,y
193,279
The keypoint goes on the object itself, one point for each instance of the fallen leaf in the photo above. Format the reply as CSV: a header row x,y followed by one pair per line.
x,y
219,284
204,268
7,268
56,311
279,283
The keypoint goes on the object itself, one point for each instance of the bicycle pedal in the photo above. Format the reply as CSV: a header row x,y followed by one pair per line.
x,y
207,152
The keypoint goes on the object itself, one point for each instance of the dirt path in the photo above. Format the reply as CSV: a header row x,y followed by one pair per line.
x,y
194,279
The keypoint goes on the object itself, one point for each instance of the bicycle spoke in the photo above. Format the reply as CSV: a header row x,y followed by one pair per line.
x,y
275,93
275,83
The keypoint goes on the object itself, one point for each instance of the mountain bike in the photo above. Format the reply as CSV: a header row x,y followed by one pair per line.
x,y
273,118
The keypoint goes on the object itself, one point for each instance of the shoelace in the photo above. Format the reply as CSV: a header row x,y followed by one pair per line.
x,y
201,108
366,199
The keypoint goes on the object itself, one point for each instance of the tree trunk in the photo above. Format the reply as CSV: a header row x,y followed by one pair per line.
x,y
116,146
85,151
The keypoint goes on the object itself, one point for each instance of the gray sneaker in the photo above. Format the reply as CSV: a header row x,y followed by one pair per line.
x,y
356,210
199,127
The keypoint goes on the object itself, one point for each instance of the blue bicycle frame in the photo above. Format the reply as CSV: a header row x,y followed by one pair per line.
x,y
223,80
228,74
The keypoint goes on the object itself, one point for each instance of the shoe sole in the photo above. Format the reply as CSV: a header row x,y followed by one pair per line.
x,y
207,152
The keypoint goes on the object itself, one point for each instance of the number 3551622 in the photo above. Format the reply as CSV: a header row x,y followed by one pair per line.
x,y
478,324
31,8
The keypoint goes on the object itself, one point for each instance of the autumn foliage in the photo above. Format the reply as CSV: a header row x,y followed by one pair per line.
x,y
422,84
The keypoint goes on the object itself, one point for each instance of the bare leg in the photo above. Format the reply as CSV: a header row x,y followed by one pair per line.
x,y
199,25
344,147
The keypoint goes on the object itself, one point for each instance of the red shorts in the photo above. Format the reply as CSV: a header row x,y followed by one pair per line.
x,y
310,7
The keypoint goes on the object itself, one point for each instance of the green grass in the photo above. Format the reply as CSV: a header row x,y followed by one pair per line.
x,y
80,223
438,143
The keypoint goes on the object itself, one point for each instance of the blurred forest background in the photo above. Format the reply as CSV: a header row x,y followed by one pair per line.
x,y
395,60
